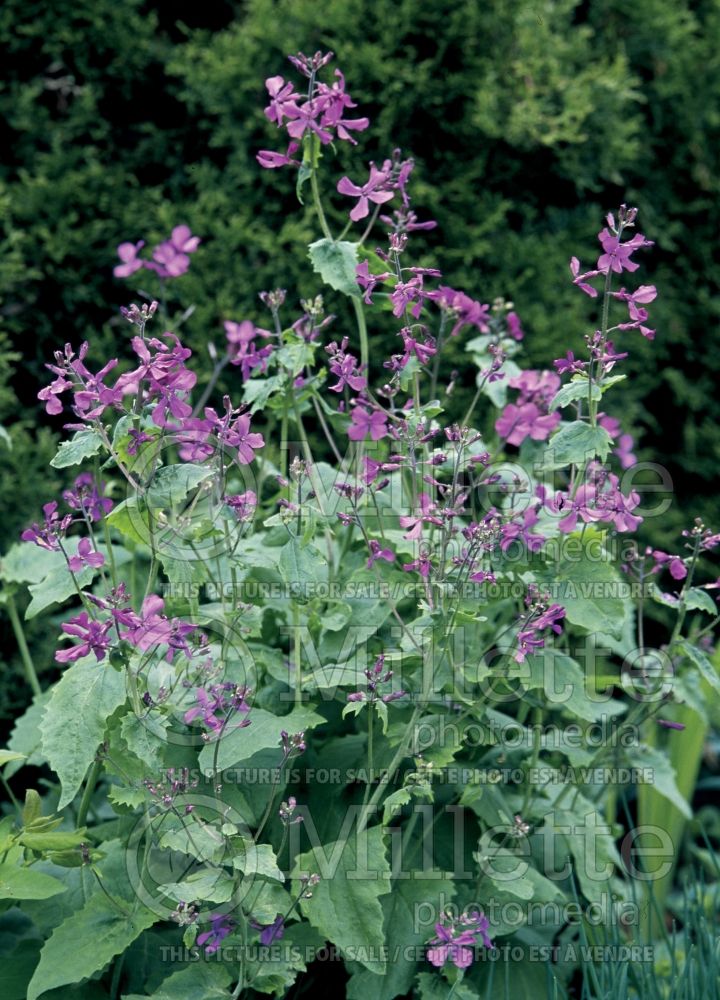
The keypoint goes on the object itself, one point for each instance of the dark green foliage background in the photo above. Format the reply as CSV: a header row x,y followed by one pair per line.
x,y
528,120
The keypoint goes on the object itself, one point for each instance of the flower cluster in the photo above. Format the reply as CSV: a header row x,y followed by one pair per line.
x,y
215,708
170,259
321,112
530,416
540,616
455,941
376,676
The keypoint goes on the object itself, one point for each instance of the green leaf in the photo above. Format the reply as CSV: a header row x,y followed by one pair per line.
x,y
53,840
345,905
566,686
172,484
336,261
201,981
74,722
32,809
7,755
405,935
25,737
57,586
85,942
257,860
146,738
433,987
591,843
697,599
130,518
26,562
663,777
394,803
589,590
576,389
264,731
300,567
706,669
575,444
24,883
83,445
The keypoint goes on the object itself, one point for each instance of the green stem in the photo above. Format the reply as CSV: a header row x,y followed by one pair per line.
x,y
19,633
297,660
362,331
318,205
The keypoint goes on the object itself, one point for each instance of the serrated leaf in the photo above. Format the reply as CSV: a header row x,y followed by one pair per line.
x,y
589,590
26,562
74,722
263,732
703,664
394,803
697,599
576,389
145,737
575,444
57,586
257,860
336,262
300,567
85,942
83,445
24,883
405,935
171,484
345,905
25,737
201,981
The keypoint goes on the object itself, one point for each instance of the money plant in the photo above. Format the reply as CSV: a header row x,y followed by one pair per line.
x,y
355,688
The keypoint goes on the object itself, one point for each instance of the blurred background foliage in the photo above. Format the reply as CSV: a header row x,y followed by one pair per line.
x,y
528,120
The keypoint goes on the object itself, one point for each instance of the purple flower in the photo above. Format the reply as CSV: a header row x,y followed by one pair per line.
x,y
168,261
377,552
220,927
364,422
616,256
464,310
415,522
86,556
243,504
455,941
345,367
92,635
678,569
375,190
128,254
581,279
183,240
271,160
246,442
87,497
54,527
518,422
530,416
540,617
242,350
274,932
